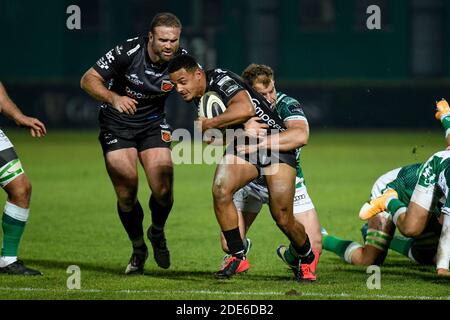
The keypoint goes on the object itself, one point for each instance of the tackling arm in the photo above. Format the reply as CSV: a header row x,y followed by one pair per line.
x,y
296,136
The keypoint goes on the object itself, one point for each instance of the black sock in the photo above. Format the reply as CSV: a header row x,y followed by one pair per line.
x,y
159,212
234,242
304,252
132,222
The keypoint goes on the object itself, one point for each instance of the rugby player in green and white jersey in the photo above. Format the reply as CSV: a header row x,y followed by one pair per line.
x,y
378,232
249,199
432,187
17,186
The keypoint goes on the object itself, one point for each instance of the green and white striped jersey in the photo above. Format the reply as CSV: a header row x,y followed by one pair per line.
x,y
433,174
436,172
406,181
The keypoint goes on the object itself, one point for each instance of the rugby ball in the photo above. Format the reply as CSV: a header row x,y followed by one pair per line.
x,y
210,105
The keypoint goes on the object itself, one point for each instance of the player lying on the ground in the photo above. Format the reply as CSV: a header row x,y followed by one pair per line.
x,y
433,184
240,166
249,199
378,233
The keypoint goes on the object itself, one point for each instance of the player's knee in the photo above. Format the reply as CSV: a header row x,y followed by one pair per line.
x,y
126,199
411,231
282,219
21,193
163,194
221,194
364,257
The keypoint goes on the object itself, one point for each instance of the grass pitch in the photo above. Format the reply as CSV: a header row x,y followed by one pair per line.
x,y
73,221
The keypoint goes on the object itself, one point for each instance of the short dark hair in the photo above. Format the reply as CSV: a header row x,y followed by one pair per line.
x,y
165,19
258,73
183,61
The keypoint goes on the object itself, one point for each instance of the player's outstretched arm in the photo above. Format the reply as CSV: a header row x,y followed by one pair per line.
x,y
93,83
12,111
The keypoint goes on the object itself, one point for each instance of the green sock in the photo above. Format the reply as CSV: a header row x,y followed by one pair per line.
x,y
336,245
393,205
401,245
12,233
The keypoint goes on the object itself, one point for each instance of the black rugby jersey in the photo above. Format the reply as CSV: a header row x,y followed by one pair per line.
x,y
128,71
227,84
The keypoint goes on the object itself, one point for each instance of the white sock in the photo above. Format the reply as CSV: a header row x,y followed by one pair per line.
x,y
349,251
397,214
6,261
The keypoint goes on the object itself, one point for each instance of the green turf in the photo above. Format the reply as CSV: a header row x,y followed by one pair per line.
x,y
73,222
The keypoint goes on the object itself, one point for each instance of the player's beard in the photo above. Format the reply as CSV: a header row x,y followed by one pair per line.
x,y
158,51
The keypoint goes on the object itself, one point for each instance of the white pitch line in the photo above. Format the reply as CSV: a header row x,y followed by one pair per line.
x,y
235,293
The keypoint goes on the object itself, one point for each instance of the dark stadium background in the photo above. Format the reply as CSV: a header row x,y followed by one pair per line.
x,y
345,75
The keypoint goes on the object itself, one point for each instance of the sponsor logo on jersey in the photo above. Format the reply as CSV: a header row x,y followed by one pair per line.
x,y
109,56
222,81
295,108
228,86
299,197
265,117
166,135
102,63
153,73
130,52
119,50
232,89
133,78
135,94
166,86
164,125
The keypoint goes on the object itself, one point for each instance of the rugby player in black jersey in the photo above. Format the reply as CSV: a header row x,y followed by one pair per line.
x,y
133,83
243,102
